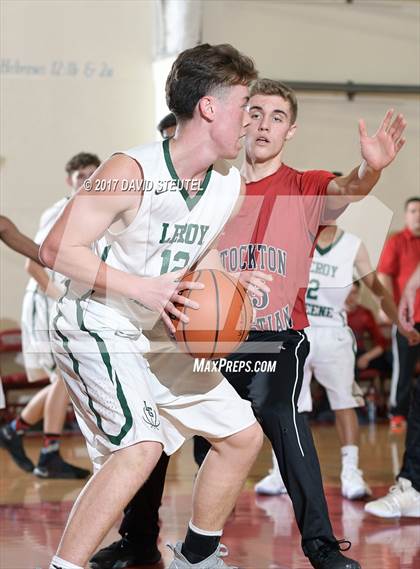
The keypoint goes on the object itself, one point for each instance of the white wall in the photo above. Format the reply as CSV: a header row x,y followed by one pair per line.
x,y
48,118
368,42
330,40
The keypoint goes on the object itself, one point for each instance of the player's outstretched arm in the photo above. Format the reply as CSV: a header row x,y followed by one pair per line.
x,y
378,151
16,240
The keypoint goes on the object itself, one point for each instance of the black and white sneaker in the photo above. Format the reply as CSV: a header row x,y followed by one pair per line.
x,y
52,465
122,553
13,444
327,554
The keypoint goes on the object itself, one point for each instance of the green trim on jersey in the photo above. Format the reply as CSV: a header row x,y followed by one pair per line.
x,y
34,307
354,341
190,201
326,250
114,439
105,253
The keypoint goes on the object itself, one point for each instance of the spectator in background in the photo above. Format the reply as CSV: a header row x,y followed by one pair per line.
x,y
371,344
399,259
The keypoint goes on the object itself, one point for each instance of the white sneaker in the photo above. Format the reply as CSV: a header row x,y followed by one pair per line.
x,y
353,486
271,485
402,500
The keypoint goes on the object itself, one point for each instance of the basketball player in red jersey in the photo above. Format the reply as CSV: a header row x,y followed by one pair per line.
x,y
274,235
291,207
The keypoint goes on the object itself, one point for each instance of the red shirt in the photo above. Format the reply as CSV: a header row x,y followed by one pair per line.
x,y
399,259
274,232
363,323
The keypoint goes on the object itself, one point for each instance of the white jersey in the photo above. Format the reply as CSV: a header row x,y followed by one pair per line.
x,y
331,278
48,218
172,228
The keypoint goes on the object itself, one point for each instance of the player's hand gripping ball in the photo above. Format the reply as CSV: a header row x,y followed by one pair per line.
x,y
224,318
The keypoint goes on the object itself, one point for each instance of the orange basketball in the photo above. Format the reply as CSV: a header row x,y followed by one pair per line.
x,y
223,320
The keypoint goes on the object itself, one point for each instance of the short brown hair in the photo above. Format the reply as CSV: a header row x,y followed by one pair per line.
x,y
272,87
199,70
414,199
82,160
167,122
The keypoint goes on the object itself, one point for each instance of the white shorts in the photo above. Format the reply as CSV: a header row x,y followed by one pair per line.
x,y
118,399
36,346
331,359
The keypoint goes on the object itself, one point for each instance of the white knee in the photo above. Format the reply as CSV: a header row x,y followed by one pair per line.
x,y
247,442
139,455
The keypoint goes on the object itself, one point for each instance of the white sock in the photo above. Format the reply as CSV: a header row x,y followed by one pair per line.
x,y
350,456
195,529
58,563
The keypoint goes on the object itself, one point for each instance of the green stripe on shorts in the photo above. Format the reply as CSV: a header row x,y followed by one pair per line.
x,y
114,439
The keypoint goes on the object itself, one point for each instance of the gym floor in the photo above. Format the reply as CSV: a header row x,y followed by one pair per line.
x,y
261,534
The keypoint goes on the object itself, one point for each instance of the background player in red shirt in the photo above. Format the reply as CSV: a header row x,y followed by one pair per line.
x,y
398,261
371,343
272,239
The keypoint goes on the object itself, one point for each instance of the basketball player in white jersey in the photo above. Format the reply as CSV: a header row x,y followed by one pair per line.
x,y
13,238
51,402
337,257
148,238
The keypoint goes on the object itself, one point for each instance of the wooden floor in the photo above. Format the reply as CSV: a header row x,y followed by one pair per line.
x,y
261,534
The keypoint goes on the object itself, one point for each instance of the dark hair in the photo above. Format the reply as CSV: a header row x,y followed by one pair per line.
x,y
82,160
196,72
272,87
414,199
167,122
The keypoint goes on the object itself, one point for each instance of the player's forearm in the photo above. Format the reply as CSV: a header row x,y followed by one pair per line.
x,y
80,264
358,183
413,283
41,276
20,243
386,282
385,299
375,352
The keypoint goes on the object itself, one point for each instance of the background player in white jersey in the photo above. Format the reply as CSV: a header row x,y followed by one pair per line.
x,y
147,238
337,257
51,402
20,243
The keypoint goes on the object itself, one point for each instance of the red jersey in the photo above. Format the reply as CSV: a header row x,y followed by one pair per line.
x,y
363,324
274,232
399,259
